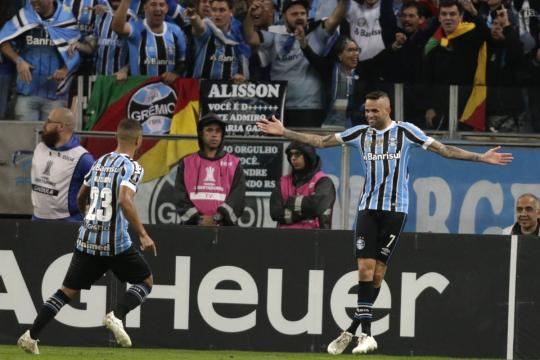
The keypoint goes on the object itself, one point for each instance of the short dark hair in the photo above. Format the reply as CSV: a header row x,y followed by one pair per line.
x,y
411,4
450,3
342,44
144,2
128,129
230,3
376,95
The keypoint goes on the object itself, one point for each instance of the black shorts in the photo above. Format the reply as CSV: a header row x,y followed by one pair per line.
x,y
377,233
84,269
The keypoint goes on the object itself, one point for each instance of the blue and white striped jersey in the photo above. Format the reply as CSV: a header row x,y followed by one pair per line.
x,y
112,50
386,157
83,11
37,48
154,54
218,57
104,231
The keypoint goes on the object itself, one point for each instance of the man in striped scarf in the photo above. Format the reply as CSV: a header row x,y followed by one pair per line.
x,y
36,39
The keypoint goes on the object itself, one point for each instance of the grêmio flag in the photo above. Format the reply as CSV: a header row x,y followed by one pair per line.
x,y
159,107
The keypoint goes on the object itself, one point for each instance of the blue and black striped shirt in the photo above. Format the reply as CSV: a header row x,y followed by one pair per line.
x,y
154,54
112,50
386,157
104,231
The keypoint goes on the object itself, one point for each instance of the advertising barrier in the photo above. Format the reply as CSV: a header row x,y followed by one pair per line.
x,y
252,289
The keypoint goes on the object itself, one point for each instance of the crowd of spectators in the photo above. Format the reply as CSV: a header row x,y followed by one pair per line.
x,y
331,52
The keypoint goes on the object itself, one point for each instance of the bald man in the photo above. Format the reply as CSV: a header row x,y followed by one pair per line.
x,y
58,168
527,214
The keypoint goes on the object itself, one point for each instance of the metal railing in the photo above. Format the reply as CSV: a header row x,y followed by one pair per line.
x,y
450,136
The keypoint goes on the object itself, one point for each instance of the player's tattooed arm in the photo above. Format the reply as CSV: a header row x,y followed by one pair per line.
x,y
311,139
274,127
453,152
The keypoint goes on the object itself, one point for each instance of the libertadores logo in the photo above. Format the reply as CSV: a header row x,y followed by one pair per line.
x,y
163,209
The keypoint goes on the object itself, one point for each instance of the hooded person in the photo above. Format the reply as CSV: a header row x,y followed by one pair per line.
x,y
210,185
306,196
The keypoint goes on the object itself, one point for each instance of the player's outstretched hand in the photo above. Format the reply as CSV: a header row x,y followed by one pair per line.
x,y
493,157
271,126
148,244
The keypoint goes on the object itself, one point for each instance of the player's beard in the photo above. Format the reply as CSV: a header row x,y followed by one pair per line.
x,y
50,138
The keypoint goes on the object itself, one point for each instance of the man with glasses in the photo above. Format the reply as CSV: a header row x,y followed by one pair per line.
x,y
58,168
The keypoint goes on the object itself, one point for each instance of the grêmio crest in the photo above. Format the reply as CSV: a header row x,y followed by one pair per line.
x,y
153,106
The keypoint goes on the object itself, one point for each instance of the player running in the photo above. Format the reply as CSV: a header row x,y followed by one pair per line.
x,y
385,147
106,197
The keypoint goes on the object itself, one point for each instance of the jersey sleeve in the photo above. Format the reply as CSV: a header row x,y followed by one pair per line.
x,y
95,32
175,9
83,167
416,135
134,30
132,175
317,39
180,44
203,38
351,135
267,39
86,179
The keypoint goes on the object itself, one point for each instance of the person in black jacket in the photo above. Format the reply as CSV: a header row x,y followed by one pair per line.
x,y
210,184
305,197
451,55
505,54
406,56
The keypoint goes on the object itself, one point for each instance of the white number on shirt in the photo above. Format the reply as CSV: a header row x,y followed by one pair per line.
x,y
104,213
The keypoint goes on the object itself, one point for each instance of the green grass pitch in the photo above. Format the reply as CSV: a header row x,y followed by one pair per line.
x,y
12,352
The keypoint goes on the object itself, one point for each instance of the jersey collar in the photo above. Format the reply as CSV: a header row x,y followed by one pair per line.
x,y
155,33
392,124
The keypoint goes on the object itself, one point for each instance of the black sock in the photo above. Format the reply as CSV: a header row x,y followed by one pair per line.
x,y
362,315
48,311
354,326
365,304
133,297
366,327
376,292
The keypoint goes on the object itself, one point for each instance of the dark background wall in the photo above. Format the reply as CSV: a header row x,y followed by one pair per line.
x,y
248,289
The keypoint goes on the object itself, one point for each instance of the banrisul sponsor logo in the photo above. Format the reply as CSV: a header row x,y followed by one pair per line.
x,y
153,106
386,156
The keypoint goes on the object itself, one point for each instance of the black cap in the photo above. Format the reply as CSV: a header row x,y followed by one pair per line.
x,y
288,3
310,155
211,118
